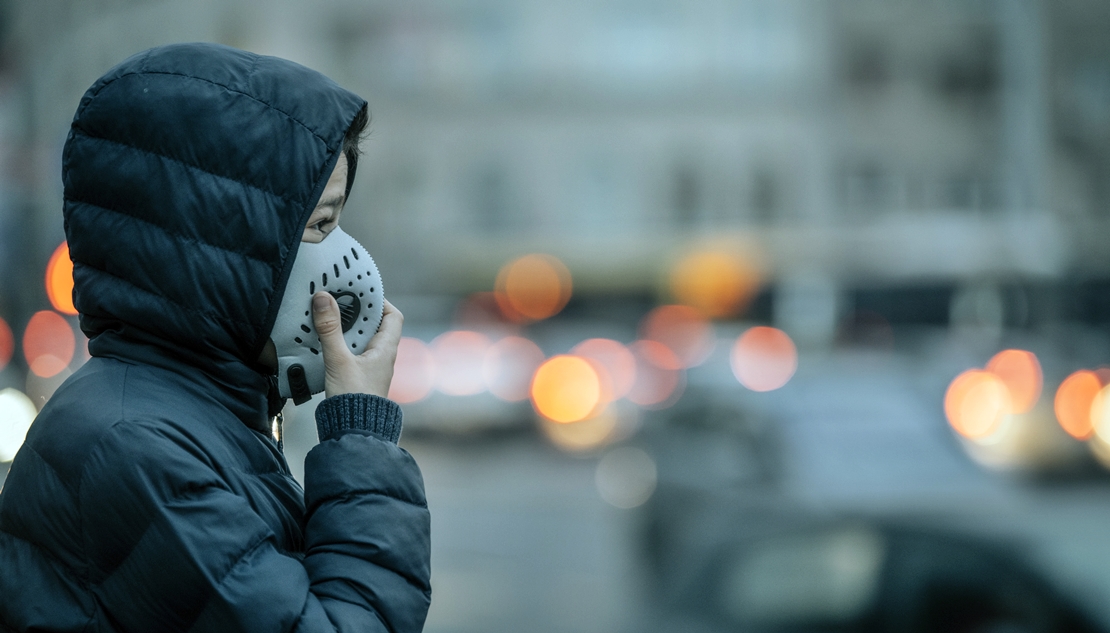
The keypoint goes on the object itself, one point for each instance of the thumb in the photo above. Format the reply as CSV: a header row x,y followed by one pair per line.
x,y
329,326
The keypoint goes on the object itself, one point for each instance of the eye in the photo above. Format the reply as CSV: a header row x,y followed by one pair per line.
x,y
322,225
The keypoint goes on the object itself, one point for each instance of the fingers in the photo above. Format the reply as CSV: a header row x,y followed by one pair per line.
x,y
329,325
389,334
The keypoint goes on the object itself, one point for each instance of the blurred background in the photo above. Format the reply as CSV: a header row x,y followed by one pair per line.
x,y
720,315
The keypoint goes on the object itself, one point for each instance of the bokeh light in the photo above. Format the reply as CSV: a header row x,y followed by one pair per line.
x,y
1020,371
59,280
718,284
659,377
566,389
1100,414
614,362
459,357
48,343
16,414
414,372
7,344
533,288
1074,398
764,358
976,403
683,330
509,365
626,477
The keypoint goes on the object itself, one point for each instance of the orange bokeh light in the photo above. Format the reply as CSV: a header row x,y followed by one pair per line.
x,y
976,403
566,389
614,362
459,356
1021,373
1074,398
413,373
659,377
1100,414
7,344
764,358
48,343
509,365
59,280
718,284
683,330
533,287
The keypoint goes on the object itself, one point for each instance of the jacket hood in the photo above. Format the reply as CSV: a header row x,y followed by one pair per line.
x,y
189,173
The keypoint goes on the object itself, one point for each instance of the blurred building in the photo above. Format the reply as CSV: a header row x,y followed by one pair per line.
x,y
856,149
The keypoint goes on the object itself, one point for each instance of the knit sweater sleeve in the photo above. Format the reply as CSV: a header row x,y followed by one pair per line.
x,y
375,415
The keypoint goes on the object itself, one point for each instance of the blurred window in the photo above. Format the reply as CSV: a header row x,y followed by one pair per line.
x,y
970,72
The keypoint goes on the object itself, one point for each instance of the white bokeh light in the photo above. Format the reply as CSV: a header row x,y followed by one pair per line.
x,y
16,414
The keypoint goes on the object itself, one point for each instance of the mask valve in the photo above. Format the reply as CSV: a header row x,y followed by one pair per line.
x,y
298,385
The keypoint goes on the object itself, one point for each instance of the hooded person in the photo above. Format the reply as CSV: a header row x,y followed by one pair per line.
x,y
150,494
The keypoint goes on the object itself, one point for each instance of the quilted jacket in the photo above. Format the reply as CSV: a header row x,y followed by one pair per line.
x,y
149,494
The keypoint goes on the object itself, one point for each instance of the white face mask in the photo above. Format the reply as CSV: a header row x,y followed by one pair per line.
x,y
340,265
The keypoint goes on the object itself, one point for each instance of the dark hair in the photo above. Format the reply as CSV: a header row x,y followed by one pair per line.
x,y
350,145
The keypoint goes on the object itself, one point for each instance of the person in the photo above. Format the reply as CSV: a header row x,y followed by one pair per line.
x,y
150,494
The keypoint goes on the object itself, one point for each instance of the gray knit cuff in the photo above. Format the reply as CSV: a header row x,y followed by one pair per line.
x,y
359,412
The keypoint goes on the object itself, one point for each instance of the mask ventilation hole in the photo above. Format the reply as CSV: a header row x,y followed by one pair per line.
x,y
306,312
325,278
353,346
355,253
336,267
360,276
305,328
346,262
298,339
313,350
360,331
350,283
312,287
371,288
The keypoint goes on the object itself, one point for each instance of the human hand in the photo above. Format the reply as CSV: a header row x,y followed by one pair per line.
x,y
369,372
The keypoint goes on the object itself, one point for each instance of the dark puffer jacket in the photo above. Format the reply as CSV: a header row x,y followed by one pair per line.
x,y
149,495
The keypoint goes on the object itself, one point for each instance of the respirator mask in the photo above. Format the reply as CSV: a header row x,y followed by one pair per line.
x,y
341,266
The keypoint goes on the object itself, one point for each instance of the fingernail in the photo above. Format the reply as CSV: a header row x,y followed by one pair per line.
x,y
320,303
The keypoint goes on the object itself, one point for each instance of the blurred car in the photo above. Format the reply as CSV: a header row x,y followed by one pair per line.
x,y
774,516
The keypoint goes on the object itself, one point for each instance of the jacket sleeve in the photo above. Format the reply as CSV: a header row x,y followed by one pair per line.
x,y
173,548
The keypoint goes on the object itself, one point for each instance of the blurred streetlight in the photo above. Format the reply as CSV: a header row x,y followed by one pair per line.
x,y
683,330
716,283
566,389
48,343
16,414
533,288
59,280
414,372
764,358
1074,398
